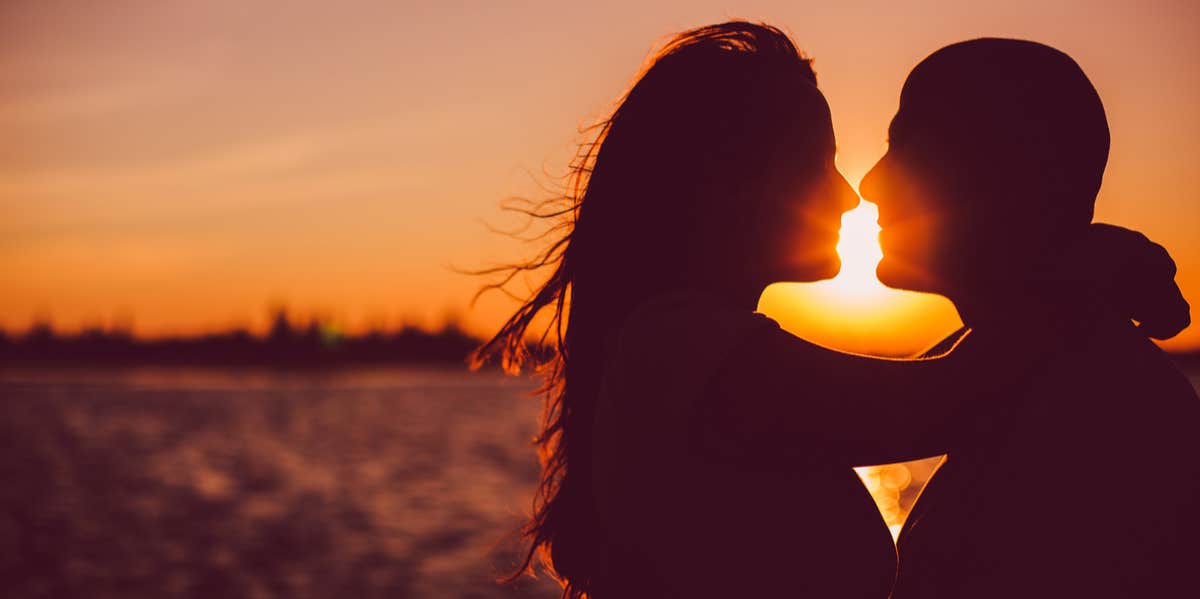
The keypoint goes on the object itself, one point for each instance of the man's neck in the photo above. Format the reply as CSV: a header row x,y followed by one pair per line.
x,y
1021,305
982,309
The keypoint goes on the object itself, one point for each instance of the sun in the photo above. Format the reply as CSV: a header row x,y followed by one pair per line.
x,y
854,311
860,253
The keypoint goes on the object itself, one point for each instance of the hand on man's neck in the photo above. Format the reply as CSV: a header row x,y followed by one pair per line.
x,y
1029,305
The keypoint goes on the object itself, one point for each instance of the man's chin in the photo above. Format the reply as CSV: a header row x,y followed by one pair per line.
x,y
903,276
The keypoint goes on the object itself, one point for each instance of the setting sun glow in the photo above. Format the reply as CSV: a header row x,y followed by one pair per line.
x,y
854,311
180,167
860,253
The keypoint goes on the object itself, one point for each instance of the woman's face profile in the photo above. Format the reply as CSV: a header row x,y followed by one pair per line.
x,y
800,227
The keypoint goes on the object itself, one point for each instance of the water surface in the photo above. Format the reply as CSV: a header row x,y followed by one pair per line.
x,y
194,483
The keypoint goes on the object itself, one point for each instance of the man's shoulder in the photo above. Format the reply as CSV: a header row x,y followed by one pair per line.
x,y
1124,401
1113,416
1124,359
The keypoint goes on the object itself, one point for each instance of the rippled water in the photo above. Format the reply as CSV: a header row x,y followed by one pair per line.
x,y
399,483
371,484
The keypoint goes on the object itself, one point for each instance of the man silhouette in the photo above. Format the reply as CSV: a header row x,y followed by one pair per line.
x,y
1088,485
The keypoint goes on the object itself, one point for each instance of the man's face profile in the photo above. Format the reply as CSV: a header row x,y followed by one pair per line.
x,y
995,157
917,213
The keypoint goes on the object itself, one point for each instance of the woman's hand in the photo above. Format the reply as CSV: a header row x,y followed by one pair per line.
x,y
1132,275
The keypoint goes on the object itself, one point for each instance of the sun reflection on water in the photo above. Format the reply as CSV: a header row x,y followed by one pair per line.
x,y
887,484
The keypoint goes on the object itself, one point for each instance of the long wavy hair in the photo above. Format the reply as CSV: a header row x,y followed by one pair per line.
x,y
700,128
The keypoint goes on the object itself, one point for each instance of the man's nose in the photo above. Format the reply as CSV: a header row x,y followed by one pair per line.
x,y
850,199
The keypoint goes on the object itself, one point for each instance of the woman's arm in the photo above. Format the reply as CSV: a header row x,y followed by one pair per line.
x,y
778,396
783,397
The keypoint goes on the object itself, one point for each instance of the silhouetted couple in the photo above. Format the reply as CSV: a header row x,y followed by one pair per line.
x,y
692,448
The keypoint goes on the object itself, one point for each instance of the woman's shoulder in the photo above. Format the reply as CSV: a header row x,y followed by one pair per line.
x,y
690,317
678,340
672,347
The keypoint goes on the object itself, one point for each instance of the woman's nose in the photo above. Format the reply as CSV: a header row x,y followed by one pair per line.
x,y
849,199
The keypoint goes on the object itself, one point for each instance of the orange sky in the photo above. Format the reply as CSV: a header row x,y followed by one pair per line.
x,y
183,165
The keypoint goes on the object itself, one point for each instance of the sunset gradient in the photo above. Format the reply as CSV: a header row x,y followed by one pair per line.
x,y
183,166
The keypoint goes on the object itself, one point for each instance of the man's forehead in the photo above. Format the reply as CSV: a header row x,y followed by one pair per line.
x,y
946,112
902,123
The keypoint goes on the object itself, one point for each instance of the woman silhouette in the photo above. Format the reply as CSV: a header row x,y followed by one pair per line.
x,y
690,447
